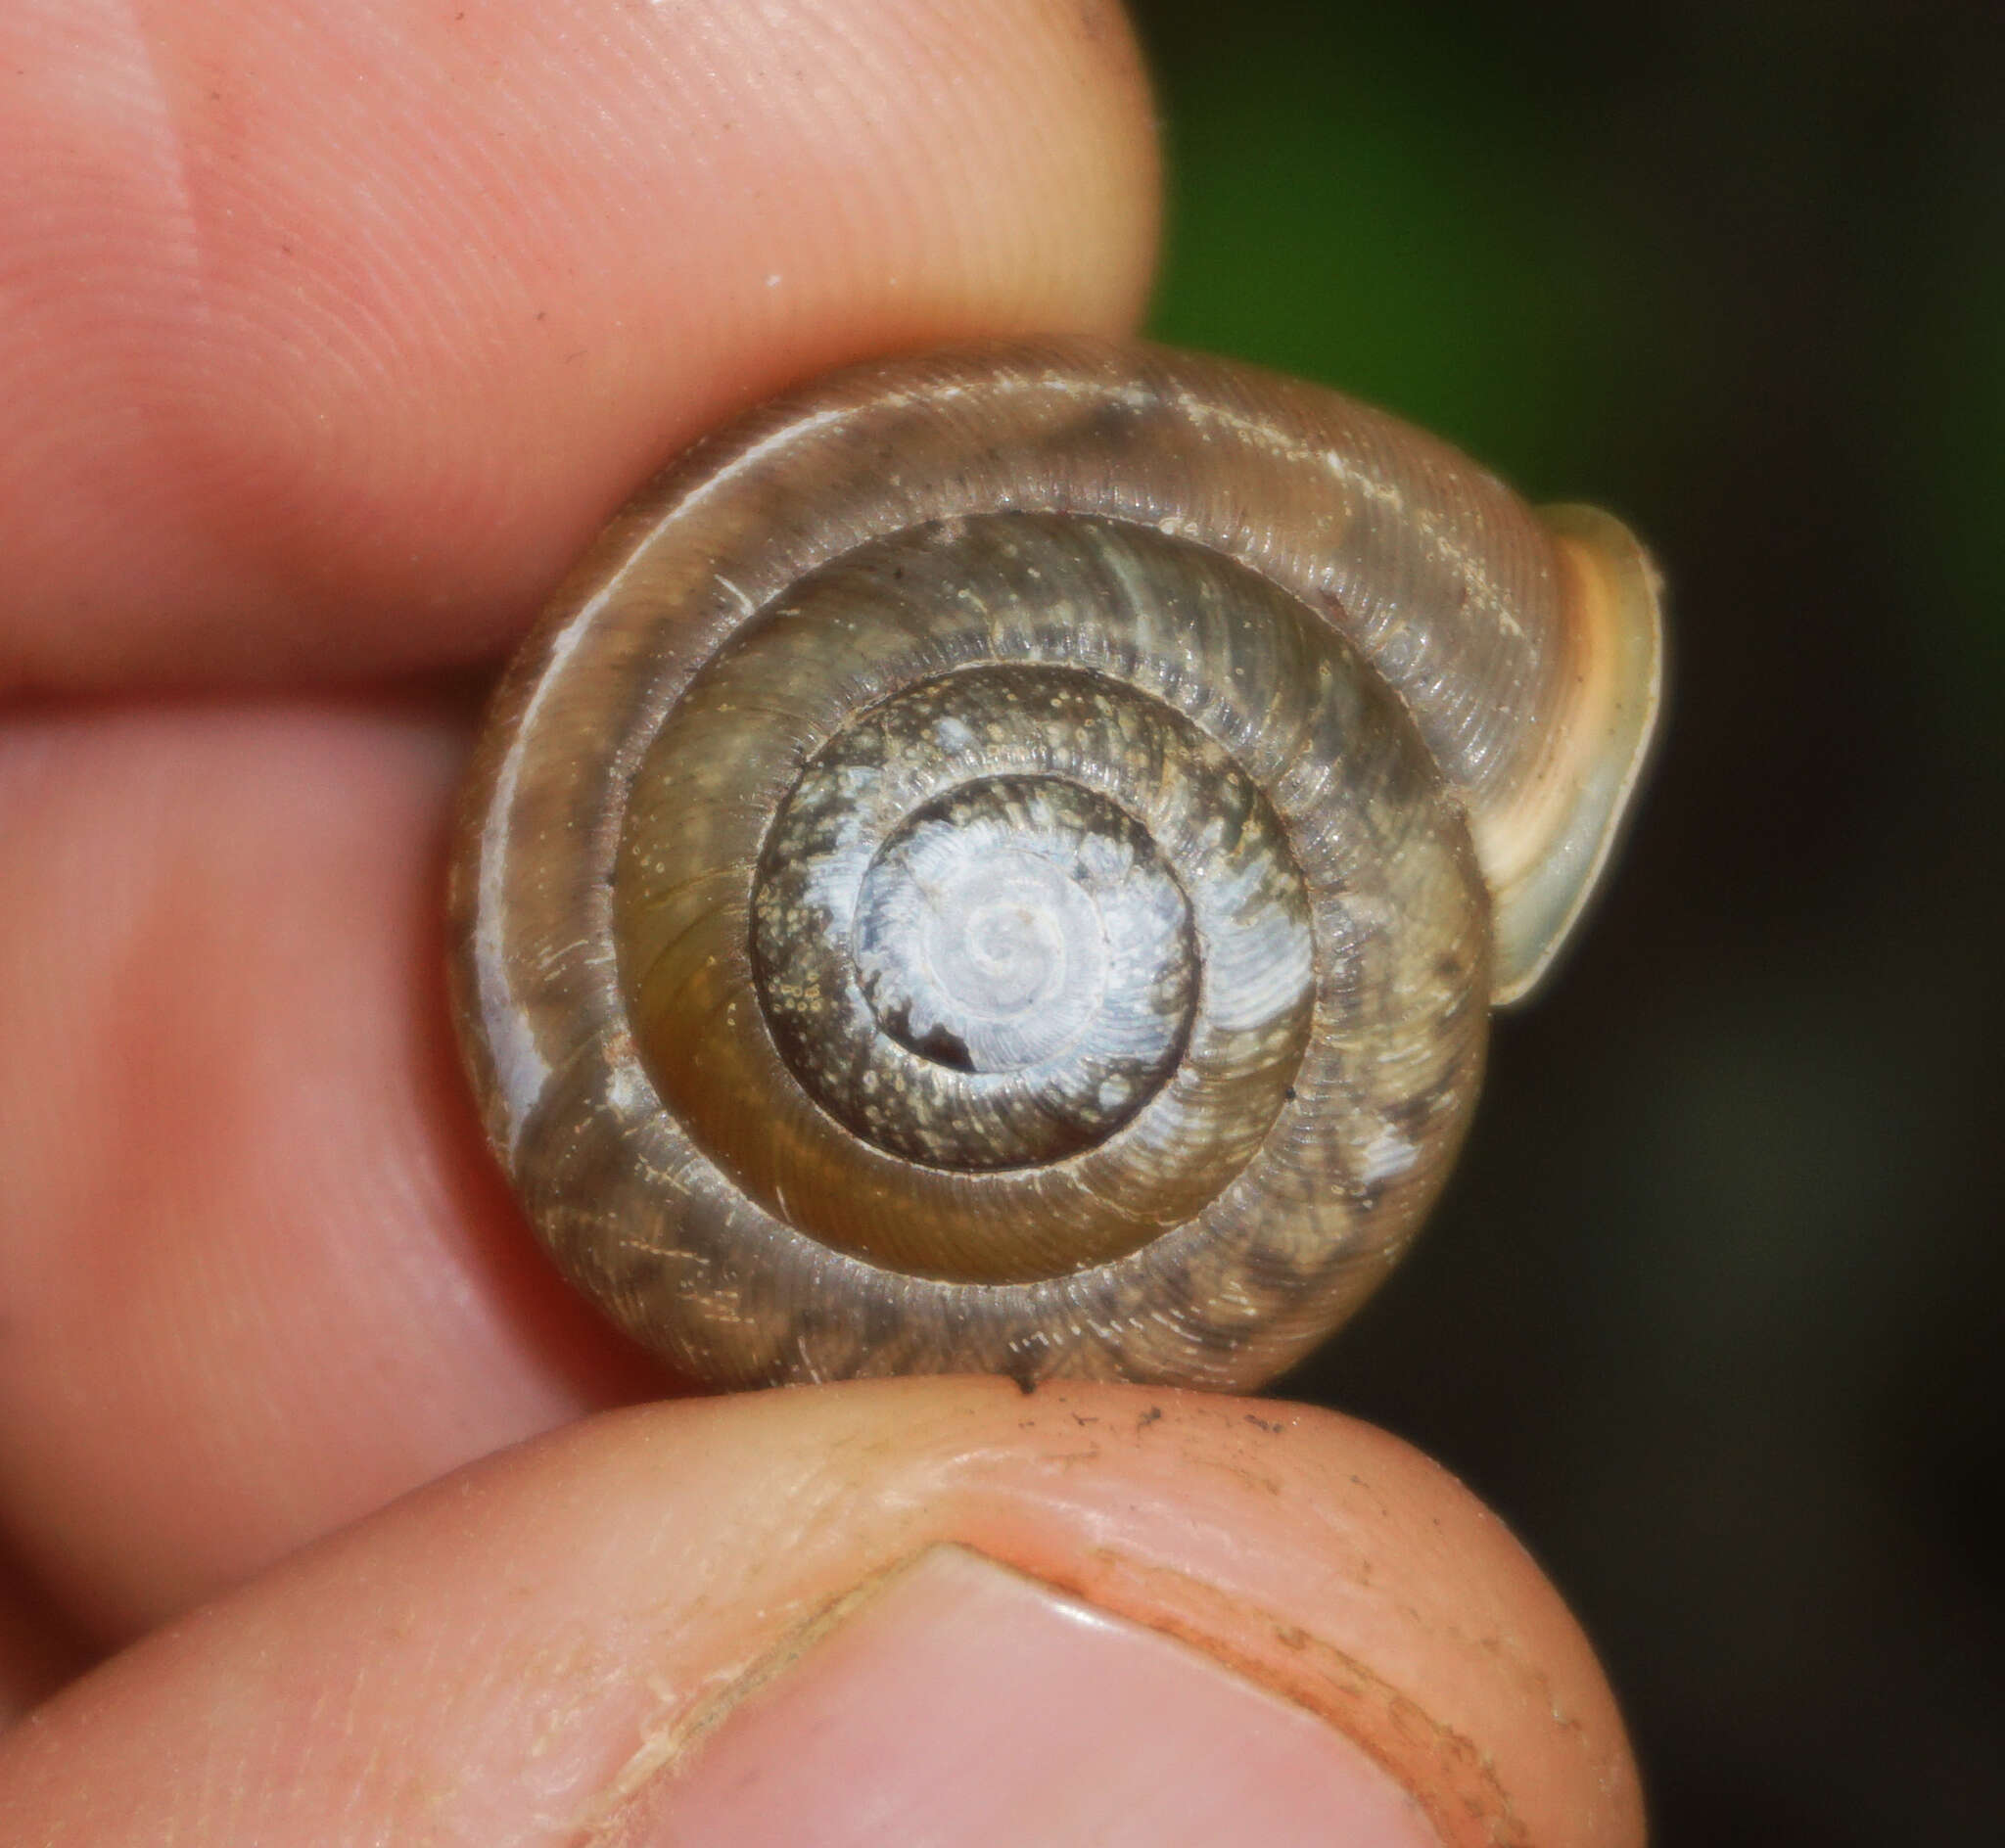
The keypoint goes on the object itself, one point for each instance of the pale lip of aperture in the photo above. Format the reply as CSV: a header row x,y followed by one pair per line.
x,y
1544,855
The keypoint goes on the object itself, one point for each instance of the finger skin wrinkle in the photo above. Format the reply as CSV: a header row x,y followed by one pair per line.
x,y
99,263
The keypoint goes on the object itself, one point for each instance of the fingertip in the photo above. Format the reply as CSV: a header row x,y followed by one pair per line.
x,y
592,1634
335,352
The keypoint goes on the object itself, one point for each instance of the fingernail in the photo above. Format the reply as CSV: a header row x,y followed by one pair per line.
x,y
965,1704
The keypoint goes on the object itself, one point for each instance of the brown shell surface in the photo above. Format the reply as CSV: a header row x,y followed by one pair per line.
x,y
1358,724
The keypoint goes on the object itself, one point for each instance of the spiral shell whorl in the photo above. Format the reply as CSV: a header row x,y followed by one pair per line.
x,y
1016,959
1104,613
1080,644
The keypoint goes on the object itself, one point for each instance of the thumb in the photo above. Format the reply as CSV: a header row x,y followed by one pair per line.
x,y
918,1611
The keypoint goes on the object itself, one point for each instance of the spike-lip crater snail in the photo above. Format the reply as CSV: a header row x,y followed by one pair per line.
x,y
1001,862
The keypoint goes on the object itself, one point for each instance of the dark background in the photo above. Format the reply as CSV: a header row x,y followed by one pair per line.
x,y
1712,1310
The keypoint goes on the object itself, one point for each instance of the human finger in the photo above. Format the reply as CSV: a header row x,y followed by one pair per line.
x,y
328,334
260,1272
920,1610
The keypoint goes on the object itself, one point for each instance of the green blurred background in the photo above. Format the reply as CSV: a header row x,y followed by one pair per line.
x,y
1712,1310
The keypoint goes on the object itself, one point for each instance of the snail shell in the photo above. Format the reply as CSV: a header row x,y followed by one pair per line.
x,y
1002,861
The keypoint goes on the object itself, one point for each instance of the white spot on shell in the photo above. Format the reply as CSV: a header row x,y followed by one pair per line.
x,y
625,1092
1387,1155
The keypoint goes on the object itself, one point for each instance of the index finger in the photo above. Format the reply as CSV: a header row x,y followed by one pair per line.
x,y
328,336
296,416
